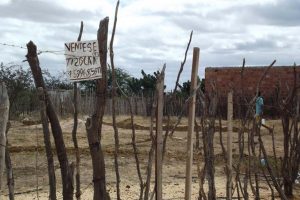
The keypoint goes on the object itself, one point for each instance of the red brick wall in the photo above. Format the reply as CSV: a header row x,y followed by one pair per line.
x,y
227,77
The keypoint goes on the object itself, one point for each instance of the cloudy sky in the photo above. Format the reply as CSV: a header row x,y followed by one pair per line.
x,y
153,32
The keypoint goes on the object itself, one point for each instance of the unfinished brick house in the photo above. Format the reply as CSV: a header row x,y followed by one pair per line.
x,y
226,78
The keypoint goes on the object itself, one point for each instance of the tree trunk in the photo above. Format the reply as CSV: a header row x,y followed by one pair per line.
x,y
4,112
94,123
47,142
66,169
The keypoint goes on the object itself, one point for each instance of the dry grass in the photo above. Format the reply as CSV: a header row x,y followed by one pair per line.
x,y
23,146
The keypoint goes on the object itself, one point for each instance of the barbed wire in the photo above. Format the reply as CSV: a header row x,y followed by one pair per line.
x,y
39,52
22,47
12,45
57,52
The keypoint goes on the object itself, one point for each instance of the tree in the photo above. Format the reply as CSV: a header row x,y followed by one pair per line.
x,y
16,79
185,87
19,84
288,108
122,78
148,83
21,91
202,85
134,86
57,82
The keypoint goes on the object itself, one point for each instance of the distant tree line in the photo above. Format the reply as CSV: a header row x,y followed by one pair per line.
x,y
21,88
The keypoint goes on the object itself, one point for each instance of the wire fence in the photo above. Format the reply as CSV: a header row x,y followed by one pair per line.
x,y
141,105
63,104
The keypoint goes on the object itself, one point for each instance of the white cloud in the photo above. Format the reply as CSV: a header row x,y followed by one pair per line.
x,y
3,2
152,32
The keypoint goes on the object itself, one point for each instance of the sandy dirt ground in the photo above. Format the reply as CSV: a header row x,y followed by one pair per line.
x,y
30,166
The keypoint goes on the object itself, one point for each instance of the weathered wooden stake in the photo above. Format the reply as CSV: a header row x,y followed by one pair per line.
x,y
159,138
191,122
94,123
47,142
66,169
4,112
114,94
9,174
229,145
152,149
36,163
74,130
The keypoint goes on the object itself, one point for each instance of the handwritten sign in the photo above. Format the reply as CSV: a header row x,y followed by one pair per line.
x,y
83,61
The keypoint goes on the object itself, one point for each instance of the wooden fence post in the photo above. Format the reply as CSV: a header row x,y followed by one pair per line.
x,y
4,112
229,145
191,122
65,167
94,123
74,130
159,130
47,142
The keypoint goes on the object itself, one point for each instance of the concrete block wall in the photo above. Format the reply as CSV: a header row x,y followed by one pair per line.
x,y
226,78
230,77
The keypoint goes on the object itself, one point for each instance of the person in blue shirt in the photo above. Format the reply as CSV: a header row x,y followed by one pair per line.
x,y
259,105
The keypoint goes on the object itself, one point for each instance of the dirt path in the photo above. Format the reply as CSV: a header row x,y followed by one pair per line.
x,y
23,145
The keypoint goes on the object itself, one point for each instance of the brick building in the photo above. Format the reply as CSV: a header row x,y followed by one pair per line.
x,y
230,77
227,77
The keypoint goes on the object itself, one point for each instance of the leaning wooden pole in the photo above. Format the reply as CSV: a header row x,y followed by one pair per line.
x,y
229,146
94,123
113,96
47,142
66,169
191,121
4,113
159,130
74,130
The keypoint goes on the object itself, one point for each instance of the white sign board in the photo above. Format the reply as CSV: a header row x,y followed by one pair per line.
x,y
83,61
